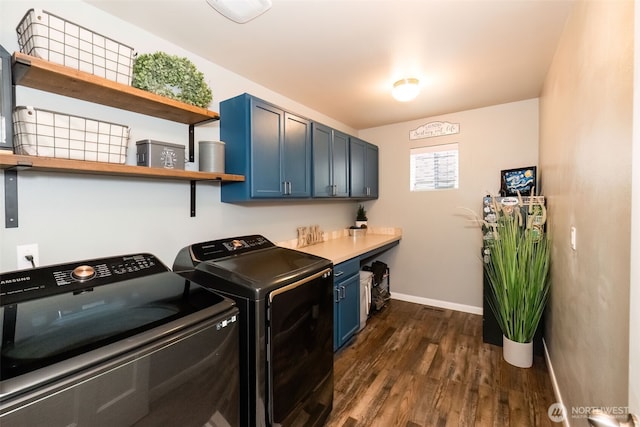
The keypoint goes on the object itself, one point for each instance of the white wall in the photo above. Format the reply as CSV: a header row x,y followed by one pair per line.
x,y
438,260
586,122
74,217
634,297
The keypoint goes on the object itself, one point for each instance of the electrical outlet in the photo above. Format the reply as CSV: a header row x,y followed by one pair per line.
x,y
22,252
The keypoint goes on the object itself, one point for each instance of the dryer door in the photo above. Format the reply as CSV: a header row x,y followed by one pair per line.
x,y
300,351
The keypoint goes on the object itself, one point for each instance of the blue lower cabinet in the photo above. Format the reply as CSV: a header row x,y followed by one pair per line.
x,y
346,314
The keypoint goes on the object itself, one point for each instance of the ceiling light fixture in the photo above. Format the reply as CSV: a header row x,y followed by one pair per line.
x,y
240,11
406,89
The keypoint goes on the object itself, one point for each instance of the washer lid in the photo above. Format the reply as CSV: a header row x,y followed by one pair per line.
x,y
40,329
253,274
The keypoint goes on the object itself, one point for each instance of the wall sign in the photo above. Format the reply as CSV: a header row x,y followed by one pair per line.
x,y
432,129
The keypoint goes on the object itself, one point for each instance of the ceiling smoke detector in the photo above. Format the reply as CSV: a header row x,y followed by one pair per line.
x,y
406,89
240,11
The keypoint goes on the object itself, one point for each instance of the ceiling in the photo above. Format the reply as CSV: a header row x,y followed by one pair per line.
x,y
341,57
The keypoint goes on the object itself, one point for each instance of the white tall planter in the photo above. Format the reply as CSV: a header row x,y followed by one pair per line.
x,y
517,353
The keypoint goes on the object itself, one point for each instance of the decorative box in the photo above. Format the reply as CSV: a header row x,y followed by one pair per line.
x,y
158,154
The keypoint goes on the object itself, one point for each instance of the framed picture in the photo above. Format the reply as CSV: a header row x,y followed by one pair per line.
x,y
6,101
519,180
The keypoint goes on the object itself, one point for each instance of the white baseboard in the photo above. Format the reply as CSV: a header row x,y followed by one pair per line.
x,y
554,384
437,303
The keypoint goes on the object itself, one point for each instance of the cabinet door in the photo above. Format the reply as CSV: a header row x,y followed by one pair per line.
x,y
340,160
322,165
330,162
296,156
371,170
364,169
266,136
357,153
349,316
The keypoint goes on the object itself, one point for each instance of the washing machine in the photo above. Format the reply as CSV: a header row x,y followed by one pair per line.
x,y
118,341
286,304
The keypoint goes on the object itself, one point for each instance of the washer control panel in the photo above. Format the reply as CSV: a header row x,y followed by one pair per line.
x,y
38,282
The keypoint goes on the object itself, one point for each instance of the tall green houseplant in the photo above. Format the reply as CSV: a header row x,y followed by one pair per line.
x,y
518,271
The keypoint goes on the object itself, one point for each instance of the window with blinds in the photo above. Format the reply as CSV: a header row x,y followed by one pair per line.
x,y
434,167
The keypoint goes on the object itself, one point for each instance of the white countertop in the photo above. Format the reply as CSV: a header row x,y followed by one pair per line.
x,y
343,248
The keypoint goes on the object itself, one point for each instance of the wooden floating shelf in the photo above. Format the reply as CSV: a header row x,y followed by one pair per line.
x,y
39,74
47,76
49,164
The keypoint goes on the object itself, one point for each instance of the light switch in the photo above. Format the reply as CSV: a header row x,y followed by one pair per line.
x,y
573,238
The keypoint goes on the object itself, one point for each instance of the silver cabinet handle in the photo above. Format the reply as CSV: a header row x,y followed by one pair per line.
x,y
338,273
286,185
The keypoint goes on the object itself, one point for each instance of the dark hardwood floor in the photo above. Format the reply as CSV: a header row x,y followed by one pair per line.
x,y
419,366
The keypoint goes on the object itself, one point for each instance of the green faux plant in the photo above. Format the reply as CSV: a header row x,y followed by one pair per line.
x,y
171,76
517,271
361,215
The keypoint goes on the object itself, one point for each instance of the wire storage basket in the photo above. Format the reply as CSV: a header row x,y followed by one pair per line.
x,y
47,133
47,36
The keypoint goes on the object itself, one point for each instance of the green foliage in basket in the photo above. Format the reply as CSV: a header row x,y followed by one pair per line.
x,y
171,76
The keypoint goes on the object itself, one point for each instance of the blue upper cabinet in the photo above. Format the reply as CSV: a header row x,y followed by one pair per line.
x,y
330,162
296,155
371,171
363,158
269,146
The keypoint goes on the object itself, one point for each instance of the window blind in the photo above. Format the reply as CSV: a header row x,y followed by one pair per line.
x,y
434,167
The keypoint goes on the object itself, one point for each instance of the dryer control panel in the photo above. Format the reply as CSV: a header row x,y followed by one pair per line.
x,y
216,249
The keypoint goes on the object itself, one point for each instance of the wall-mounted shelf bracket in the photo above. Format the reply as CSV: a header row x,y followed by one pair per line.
x,y
192,143
193,198
11,198
192,159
